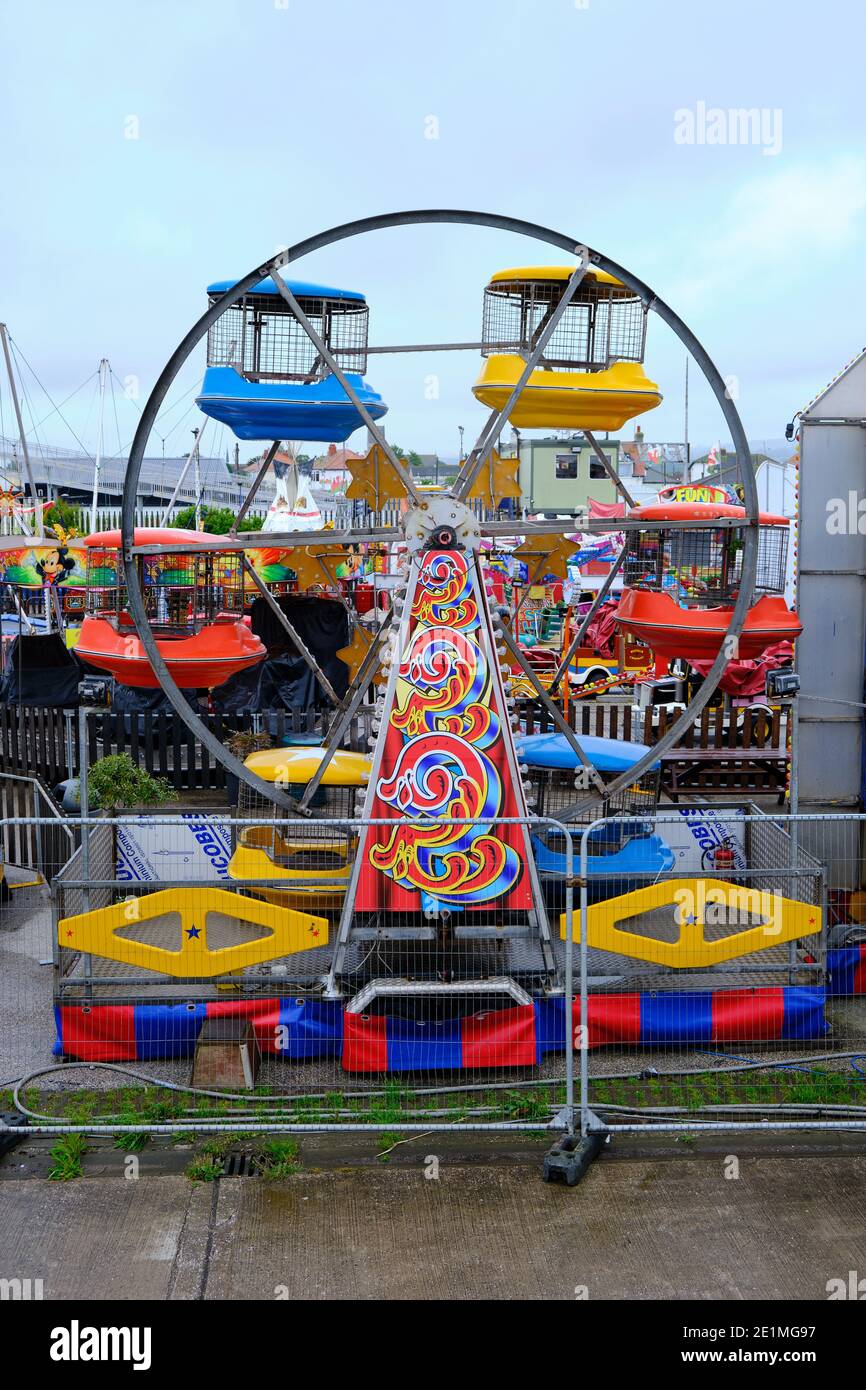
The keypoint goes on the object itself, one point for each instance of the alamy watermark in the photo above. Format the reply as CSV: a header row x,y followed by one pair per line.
x,y
846,516
729,125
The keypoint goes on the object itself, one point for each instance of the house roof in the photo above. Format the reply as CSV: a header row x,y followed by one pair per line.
x,y
845,402
335,459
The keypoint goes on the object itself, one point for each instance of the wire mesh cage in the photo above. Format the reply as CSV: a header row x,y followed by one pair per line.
x,y
556,791
314,857
261,337
703,566
603,323
182,593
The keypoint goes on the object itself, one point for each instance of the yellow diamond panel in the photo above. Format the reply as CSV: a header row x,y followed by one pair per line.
x,y
96,932
497,479
697,903
553,551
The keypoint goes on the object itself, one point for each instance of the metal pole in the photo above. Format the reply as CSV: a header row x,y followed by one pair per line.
x,y
290,629
794,807
584,989
559,721
608,468
85,827
193,453
97,462
69,715
38,520
569,979
83,793
197,488
325,352
258,540
686,424
581,631
332,991
40,864
354,696
257,482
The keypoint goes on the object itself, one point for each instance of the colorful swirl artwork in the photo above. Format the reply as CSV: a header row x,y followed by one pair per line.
x,y
444,756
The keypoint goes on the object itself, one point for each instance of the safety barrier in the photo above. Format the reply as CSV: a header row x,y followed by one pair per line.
x,y
714,973
735,994
35,834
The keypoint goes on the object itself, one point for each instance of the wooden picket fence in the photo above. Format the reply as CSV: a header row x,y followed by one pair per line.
x,y
718,754
44,743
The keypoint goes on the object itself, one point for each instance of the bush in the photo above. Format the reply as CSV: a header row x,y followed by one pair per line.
x,y
218,521
119,782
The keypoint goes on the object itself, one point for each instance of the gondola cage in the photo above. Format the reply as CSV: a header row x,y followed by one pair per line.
x,y
680,585
590,375
193,602
265,378
554,773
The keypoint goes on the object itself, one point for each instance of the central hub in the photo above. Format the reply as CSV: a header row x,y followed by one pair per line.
x,y
440,522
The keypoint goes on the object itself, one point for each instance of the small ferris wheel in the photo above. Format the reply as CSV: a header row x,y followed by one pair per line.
x,y
561,347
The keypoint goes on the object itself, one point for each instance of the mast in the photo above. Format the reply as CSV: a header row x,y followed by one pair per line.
x,y
191,457
197,483
103,375
38,521
686,427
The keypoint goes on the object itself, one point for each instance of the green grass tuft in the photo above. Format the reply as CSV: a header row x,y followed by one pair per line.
x,y
66,1158
205,1168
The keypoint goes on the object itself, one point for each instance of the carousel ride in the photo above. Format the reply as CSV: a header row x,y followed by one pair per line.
x,y
443,891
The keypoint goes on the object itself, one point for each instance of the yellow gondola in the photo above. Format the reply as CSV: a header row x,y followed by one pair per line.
x,y
317,863
591,374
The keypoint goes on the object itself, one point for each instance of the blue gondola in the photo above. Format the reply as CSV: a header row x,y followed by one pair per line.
x,y
265,378
623,855
607,755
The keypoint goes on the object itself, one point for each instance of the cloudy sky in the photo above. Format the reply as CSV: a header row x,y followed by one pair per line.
x,y
151,147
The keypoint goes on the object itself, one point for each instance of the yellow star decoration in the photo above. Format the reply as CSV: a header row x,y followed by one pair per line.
x,y
553,550
374,479
505,484
354,654
306,561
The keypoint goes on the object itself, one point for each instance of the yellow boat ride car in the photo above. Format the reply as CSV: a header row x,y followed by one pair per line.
x,y
313,857
590,375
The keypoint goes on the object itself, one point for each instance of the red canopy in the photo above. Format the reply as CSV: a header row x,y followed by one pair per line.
x,y
746,678
605,511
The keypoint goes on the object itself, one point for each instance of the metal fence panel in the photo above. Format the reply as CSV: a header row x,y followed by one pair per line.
x,y
715,974
731,993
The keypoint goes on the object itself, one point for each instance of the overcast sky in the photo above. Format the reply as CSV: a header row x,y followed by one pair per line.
x,y
259,122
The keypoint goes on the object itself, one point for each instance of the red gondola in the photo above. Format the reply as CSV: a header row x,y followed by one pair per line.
x,y
194,602
680,585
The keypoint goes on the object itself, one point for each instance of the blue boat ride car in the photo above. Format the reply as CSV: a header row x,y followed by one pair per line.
x,y
623,854
266,379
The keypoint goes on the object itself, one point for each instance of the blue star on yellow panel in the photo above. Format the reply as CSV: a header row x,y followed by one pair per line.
x,y
193,931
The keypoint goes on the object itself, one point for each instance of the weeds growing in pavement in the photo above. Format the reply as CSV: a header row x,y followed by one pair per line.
x,y
277,1158
66,1158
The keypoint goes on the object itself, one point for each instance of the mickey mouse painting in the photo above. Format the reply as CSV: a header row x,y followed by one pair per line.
x,y
54,565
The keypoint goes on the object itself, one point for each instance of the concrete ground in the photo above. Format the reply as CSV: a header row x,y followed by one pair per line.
x,y
644,1224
